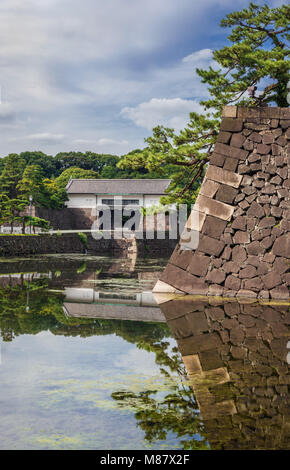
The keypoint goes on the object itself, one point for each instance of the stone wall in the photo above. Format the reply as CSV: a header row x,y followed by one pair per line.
x,y
236,355
67,218
242,213
17,245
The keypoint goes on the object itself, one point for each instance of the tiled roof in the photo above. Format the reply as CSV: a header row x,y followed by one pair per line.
x,y
117,186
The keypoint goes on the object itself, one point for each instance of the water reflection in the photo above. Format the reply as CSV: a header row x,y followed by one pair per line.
x,y
87,352
92,355
236,359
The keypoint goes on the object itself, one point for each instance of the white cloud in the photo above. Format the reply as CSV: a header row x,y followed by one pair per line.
x,y
168,112
101,145
198,58
45,137
7,113
68,68
105,141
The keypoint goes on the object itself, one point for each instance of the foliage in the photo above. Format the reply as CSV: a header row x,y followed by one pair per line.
x,y
83,238
182,157
31,183
176,412
258,54
158,412
37,222
156,209
74,173
11,175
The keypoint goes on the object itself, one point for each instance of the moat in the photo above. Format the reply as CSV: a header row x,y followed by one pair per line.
x,y
89,360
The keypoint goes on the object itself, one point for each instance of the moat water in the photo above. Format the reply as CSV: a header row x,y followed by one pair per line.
x,y
89,360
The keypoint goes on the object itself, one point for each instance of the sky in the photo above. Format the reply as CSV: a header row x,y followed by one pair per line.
x,y
98,75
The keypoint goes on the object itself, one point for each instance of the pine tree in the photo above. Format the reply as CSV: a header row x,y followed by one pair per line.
x,y
257,56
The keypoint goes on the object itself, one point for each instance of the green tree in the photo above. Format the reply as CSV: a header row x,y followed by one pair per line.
x,y
37,222
31,182
16,212
74,173
47,163
257,55
180,157
5,212
11,175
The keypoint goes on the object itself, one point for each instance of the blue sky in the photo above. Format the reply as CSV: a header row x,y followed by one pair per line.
x,y
98,75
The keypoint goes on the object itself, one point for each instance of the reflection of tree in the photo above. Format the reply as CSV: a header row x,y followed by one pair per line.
x,y
157,415
176,412
46,313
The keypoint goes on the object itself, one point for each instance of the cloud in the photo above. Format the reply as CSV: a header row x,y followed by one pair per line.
x,y
101,145
105,141
45,137
168,112
69,68
7,113
198,58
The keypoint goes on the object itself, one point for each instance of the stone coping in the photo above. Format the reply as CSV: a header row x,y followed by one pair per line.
x,y
254,112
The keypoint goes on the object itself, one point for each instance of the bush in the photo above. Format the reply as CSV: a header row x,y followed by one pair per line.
x,y
83,238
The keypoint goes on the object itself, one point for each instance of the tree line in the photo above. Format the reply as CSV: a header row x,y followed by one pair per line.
x,y
39,178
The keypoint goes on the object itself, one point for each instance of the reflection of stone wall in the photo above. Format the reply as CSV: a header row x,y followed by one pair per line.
x,y
242,212
236,358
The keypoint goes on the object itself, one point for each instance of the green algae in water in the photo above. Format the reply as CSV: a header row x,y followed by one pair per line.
x,y
61,376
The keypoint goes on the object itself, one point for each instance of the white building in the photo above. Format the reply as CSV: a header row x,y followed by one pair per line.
x,y
91,193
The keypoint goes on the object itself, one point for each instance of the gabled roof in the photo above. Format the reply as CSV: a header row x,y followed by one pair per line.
x,y
117,186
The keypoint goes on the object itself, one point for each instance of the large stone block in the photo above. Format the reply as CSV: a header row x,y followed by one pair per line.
x,y
256,210
226,194
209,188
239,254
231,125
195,220
216,276
217,159
199,265
215,208
196,344
223,176
210,246
281,246
224,137
230,111
233,283
271,280
192,364
230,164
183,280
230,151
213,226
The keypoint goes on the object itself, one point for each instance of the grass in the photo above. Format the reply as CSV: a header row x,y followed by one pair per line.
x,y
19,234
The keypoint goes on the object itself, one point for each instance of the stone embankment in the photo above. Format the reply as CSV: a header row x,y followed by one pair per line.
x,y
19,246
242,213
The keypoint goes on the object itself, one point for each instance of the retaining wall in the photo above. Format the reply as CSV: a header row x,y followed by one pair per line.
x,y
242,213
17,245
